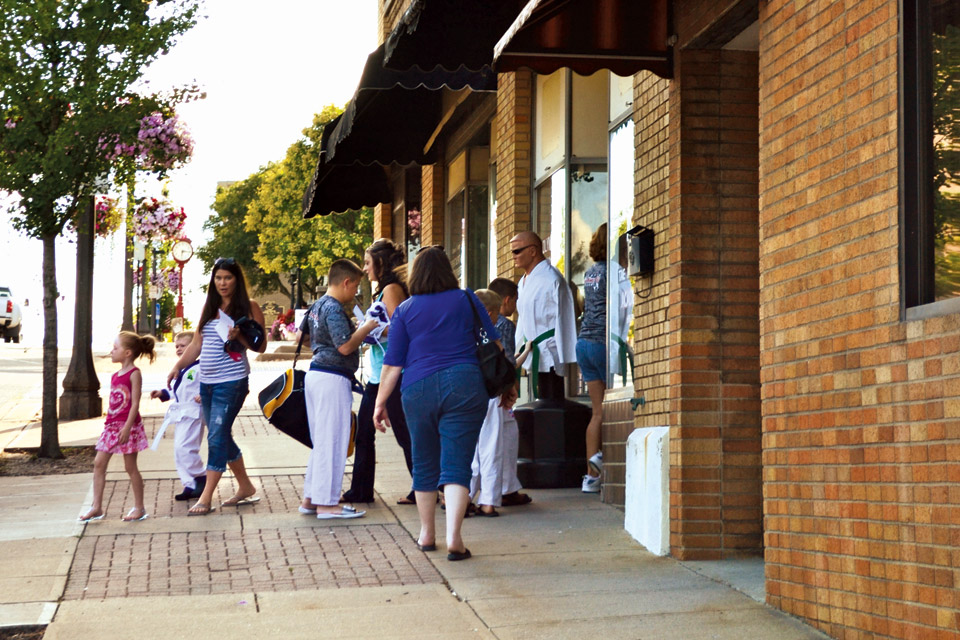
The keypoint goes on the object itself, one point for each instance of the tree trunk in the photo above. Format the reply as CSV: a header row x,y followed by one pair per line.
x,y
49,436
80,397
128,261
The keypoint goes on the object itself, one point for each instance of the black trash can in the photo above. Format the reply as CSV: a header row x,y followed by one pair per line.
x,y
552,451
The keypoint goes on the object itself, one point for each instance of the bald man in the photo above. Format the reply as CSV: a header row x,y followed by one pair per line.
x,y
544,304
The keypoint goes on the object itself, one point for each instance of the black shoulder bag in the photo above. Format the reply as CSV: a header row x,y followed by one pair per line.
x,y
498,374
282,401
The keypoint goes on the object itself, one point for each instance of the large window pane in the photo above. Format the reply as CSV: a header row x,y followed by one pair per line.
x,y
945,55
619,285
551,222
478,225
453,242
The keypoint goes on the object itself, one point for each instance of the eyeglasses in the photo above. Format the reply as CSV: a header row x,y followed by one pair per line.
x,y
517,252
431,246
224,262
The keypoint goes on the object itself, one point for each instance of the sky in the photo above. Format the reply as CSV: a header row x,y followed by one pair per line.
x,y
265,72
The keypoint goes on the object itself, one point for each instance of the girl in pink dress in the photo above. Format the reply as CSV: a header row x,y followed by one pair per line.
x,y
123,432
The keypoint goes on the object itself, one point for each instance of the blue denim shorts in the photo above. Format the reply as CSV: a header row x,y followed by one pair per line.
x,y
592,358
221,403
444,413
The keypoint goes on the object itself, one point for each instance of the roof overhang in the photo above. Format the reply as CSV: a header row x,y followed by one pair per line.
x,y
450,35
393,113
624,36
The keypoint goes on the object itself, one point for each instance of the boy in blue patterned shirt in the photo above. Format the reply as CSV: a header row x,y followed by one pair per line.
x,y
507,290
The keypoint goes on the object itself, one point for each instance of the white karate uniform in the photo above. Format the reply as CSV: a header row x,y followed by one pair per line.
x,y
329,402
510,445
544,302
488,457
186,414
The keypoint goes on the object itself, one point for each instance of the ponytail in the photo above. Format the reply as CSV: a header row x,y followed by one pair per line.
x,y
138,345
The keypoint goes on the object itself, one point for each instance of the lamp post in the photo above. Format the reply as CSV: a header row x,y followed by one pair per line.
x,y
182,252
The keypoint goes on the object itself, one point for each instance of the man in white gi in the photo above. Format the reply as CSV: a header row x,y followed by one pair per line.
x,y
544,305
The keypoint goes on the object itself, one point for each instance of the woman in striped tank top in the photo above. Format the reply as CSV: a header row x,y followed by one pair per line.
x,y
223,379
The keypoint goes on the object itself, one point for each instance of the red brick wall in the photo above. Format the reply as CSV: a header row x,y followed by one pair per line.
x,y
861,415
714,392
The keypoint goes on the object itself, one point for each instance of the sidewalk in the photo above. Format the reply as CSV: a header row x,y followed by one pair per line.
x,y
557,568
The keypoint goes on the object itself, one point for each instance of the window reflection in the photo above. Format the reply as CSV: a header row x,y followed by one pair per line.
x,y
619,285
945,45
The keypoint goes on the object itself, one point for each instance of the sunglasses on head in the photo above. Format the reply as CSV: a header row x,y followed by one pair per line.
x,y
431,246
224,262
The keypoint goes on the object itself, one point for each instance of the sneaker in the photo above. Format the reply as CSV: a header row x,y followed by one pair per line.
x,y
591,484
596,462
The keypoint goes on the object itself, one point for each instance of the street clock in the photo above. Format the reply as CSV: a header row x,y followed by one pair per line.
x,y
182,251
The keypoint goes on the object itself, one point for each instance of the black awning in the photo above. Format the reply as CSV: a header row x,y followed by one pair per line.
x,y
336,188
450,35
624,36
393,113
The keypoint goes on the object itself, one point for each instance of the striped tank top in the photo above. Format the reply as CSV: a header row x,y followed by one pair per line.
x,y
215,365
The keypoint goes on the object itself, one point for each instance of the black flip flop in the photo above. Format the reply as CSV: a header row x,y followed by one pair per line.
x,y
455,556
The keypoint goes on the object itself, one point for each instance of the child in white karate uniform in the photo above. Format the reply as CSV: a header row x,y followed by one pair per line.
x,y
486,484
185,413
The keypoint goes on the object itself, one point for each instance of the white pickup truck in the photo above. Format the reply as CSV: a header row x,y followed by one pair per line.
x,y
9,316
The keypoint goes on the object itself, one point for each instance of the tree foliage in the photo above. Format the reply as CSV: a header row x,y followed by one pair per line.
x,y
67,74
946,147
274,233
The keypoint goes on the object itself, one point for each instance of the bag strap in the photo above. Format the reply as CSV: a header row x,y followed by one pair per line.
x,y
304,330
480,334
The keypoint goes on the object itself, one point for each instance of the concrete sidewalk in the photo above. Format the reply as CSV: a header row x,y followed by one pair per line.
x,y
557,568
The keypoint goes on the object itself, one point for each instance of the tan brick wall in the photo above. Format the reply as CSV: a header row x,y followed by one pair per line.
x,y
651,293
383,221
432,197
713,340
387,20
861,416
514,187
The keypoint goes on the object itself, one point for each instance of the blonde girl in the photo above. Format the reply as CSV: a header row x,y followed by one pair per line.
x,y
123,432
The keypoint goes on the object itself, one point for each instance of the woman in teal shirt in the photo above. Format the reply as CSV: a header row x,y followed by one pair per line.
x,y
382,262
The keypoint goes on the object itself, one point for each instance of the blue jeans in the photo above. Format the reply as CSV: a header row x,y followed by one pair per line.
x,y
444,413
221,403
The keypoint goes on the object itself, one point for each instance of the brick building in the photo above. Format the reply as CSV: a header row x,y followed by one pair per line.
x,y
800,332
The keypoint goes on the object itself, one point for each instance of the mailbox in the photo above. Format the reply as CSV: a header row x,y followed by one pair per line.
x,y
639,251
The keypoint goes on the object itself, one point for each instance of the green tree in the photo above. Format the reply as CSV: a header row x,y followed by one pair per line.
x,y
66,72
231,237
287,241
273,237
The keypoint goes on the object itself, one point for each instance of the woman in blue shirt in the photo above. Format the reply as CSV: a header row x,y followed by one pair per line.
x,y
433,341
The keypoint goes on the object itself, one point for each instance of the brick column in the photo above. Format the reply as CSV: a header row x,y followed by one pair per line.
x,y
432,197
383,221
713,316
514,184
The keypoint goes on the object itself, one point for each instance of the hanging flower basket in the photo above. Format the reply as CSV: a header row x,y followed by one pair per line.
x,y
162,143
157,220
108,217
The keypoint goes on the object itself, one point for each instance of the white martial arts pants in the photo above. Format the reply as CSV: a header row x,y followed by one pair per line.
x,y
487,464
329,401
186,451
510,437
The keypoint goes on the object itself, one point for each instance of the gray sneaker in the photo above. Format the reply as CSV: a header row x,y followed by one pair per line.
x,y
591,484
596,462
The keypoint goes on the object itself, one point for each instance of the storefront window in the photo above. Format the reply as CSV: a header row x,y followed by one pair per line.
x,y
551,218
477,225
619,285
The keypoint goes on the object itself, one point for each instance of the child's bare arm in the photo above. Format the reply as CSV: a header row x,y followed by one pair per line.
x,y
522,356
353,343
136,387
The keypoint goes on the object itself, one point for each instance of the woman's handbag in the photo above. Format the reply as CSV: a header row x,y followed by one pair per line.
x,y
498,374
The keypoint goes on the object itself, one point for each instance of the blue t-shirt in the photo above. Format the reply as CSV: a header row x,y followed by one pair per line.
x,y
330,327
429,333
508,338
593,328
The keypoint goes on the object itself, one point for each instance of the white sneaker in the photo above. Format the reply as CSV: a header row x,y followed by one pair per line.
x,y
596,462
591,484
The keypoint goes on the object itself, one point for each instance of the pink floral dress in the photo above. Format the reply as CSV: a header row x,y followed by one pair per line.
x,y
117,413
